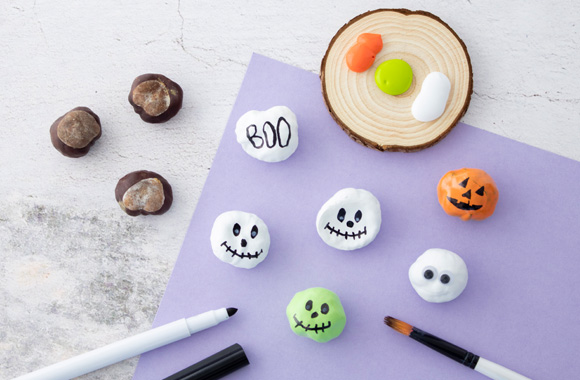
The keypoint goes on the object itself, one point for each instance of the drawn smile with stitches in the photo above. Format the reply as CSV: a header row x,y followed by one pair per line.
x,y
316,328
346,234
243,255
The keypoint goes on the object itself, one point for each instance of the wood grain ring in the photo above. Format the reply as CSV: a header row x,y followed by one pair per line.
x,y
381,121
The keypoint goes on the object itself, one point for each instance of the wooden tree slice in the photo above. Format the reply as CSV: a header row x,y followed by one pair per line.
x,y
385,122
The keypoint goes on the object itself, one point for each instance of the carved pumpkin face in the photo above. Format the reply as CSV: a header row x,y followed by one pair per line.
x,y
468,194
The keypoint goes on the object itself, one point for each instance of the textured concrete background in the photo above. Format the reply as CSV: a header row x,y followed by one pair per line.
x,y
77,273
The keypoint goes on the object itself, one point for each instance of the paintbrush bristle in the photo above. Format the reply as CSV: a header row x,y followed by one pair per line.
x,y
400,326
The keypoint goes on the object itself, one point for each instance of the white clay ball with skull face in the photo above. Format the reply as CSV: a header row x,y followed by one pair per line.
x,y
350,220
240,238
438,275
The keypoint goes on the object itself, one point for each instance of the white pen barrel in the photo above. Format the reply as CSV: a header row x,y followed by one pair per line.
x,y
206,320
496,371
113,353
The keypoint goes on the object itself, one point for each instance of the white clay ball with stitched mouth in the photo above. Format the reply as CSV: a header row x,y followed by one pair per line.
x,y
270,136
438,275
430,103
350,220
240,239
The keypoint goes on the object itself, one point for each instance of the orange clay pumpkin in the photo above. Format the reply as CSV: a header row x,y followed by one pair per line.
x,y
362,54
468,194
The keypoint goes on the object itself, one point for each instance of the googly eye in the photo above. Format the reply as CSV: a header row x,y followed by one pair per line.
x,y
429,273
445,279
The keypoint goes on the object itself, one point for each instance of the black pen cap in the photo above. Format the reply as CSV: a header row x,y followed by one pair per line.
x,y
216,366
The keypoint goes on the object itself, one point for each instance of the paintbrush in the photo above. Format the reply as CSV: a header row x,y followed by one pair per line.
x,y
468,359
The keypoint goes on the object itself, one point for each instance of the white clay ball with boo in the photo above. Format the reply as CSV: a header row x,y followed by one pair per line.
x,y
438,275
430,103
240,239
270,136
350,219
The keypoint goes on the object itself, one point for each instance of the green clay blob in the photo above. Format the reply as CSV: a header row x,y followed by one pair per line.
x,y
316,313
394,76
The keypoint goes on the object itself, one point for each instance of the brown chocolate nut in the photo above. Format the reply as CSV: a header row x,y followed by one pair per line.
x,y
143,193
75,132
155,97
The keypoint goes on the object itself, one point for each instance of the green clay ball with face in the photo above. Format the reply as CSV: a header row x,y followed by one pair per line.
x,y
316,313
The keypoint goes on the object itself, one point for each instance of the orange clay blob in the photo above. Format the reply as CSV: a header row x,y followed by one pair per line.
x,y
372,41
468,194
362,54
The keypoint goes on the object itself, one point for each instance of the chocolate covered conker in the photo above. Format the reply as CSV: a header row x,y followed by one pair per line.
x,y
155,97
143,193
75,132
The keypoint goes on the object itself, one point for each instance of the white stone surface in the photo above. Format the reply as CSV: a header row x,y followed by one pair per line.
x,y
76,272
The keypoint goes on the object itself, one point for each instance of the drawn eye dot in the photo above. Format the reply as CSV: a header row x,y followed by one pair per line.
x,y
254,232
358,216
237,229
445,278
428,274
480,191
341,214
324,308
309,305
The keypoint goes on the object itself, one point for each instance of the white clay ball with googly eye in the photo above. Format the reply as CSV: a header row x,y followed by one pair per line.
x,y
438,275
240,239
350,219
270,136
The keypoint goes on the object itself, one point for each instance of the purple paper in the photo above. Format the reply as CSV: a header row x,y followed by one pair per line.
x,y
520,308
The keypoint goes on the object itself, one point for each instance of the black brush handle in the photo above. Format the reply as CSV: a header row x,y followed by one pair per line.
x,y
450,350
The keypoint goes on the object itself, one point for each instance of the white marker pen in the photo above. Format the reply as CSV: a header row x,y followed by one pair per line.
x,y
133,346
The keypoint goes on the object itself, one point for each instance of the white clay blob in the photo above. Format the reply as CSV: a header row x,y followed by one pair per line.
x,y
438,275
270,135
240,238
350,220
431,101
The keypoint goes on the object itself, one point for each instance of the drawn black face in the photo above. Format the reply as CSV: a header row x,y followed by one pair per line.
x,y
350,219
240,239
242,242
324,309
348,224
467,206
